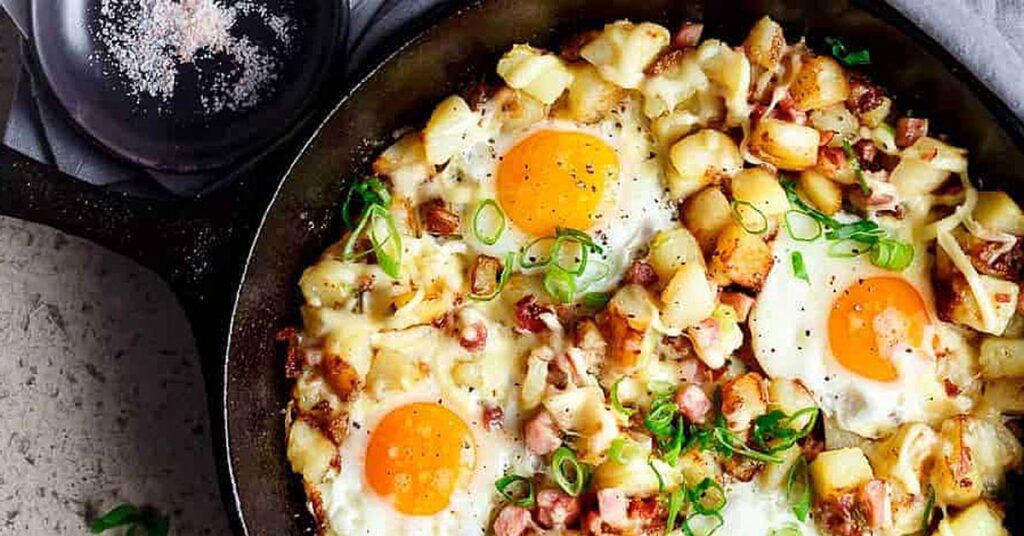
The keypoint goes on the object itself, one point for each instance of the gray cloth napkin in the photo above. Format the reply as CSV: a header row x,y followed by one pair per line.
x,y
983,34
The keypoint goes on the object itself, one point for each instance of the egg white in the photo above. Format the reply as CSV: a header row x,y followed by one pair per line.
x,y
753,511
789,329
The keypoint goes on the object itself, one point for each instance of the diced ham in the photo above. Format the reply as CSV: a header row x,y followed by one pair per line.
x,y
493,417
873,499
693,403
556,509
740,302
786,110
831,161
867,155
641,273
688,35
528,315
909,130
592,524
473,336
541,434
613,507
512,521
706,334
693,370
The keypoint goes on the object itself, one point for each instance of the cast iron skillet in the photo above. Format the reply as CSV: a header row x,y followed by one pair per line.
x,y
236,275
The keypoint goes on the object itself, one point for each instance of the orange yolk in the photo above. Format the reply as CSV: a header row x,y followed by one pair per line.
x,y
555,179
417,456
869,318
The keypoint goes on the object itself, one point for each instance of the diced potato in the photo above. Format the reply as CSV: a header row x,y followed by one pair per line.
x,y
637,477
835,471
744,398
310,452
582,411
820,83
516,110
983,518
539,74
697,464
590,96
760,188
789,396
913,177
672,249
836,118
765,43
535,381
329,283
405,163
623,51
715,341
1002,358
729,70
785,145
669,128
907,511
449,130
678,78
997,211
393,371
938,154
1004,396
974,456
741,258
702,158
823,193
688,298
903,457
629,314
876,116
774,474
706,214
1003,295
636,304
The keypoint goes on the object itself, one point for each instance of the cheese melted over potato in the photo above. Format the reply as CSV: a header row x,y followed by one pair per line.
x,y
652,284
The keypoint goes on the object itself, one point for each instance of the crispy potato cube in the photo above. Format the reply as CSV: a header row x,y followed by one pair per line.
x,y
997,211
449,130
774,474
405,163
789,396
820,83
836,118
706,214
937,154
516,110
677,77
672,249
785,145
957,474
540,74
696,465
824,193
728,69
903,456
329,283
628,317
1001,358
983,518
913,177
765,43
310,452
760,188
876,116
835,471
670,128
744,399
590,96
702,158
688,298
636,477
741,258
634,303
1004,396
623,51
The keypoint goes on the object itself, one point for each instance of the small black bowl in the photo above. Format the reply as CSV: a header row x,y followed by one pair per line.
x,y
182,133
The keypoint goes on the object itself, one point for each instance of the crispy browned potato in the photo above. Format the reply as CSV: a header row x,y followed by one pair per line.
x,y
741,258
821,82
706,214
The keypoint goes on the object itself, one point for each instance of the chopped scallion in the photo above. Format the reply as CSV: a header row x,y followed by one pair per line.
x,y
559,284
855,165
488,209
799,270
708,497
676,500
801,226
798,489
596,300
841,53
517,490
568,472
387,248
622,451
892,254
616,403
759,226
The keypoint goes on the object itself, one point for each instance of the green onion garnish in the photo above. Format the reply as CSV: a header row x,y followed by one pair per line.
x,y
579,236
798,489
506,273
801,226
799,270
700,494
579,258
789,529
676,500
774,430
657,474
892,254
561,285
517,490
616,404
488,207
139,520
528,260
855,165
839,50
567,471
388,248
864,231
370,192
847,249
789,185
659,419
622,451
596,300
929,509
689,531
731,444
673,447
752,229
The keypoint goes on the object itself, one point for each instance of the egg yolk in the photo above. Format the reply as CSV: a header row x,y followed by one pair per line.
x,y
555,179
869,318
417,456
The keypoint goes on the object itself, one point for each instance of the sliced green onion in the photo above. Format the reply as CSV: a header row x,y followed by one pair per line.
x,y
892,254
370,192
789,185
855,165
623,451
840,52
657,474
389,261
798,489
672,448
580,236
799,270
517,490
733,445
929,509
528,261
793,223
700,493
560,284
488,206
596,300
616,404
752,229
774,430
568,472
582,283
125,514
506,273
864,231
676,499
847,249
689,531
580,265
789,529
659,419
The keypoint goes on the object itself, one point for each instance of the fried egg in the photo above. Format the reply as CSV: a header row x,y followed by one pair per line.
x,y
418,463
602,179
859,337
